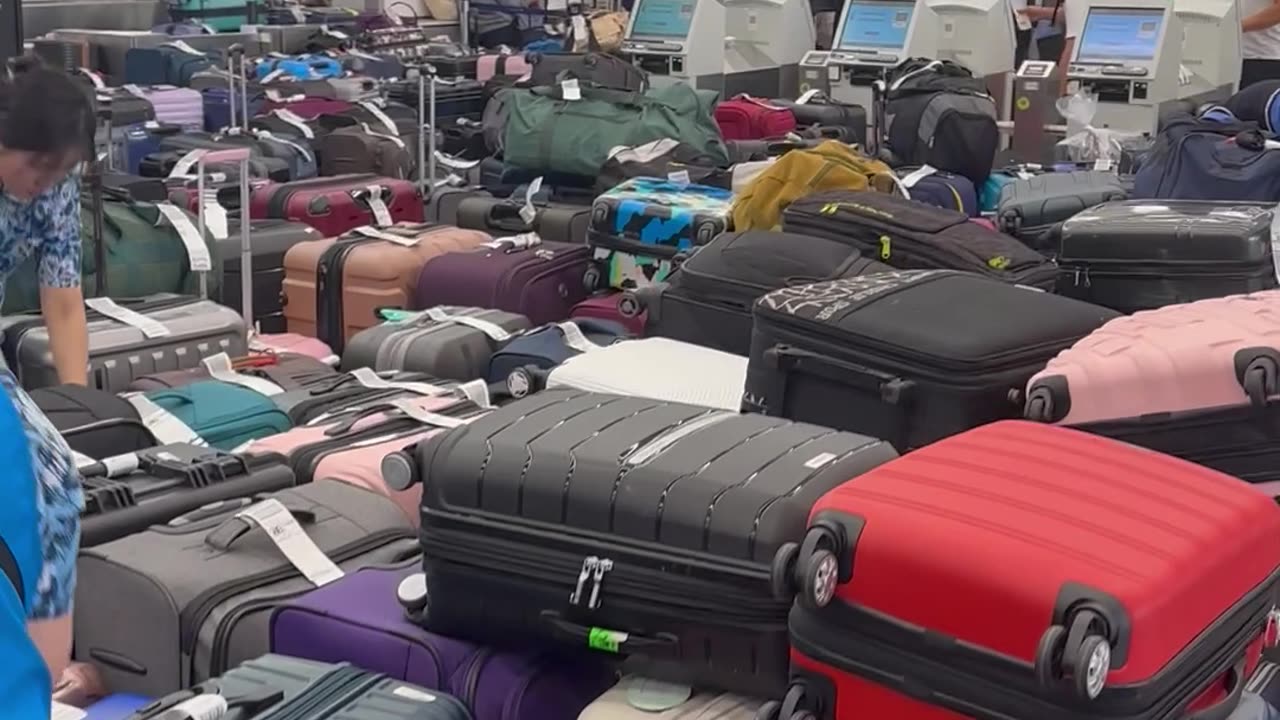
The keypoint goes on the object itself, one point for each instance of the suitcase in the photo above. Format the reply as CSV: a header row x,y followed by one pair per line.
x,y
126,108
747,118
128,494
708,300
818,111
358,619
334,288
335,205
637,698
546,347
95,423
601,69
270,241
644,368
1090,634
293,343
119,350
907,356
453,343
639,528
941,189
460,99
493,64
285,371
554,221
275,686
205,583
351,393
217,108
1028,207
223,414
608,306
644,221
163,164
349,150
540,280
183,107
1134,255
136,187
913,236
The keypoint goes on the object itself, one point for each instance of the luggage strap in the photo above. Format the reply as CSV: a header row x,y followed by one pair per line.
x,y
163,425
476,390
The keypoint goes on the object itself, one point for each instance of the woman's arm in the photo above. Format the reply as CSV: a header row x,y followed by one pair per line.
x,y
1267,17
61,299
63,310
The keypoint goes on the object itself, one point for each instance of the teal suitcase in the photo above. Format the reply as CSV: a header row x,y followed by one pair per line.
x,y
223,414
221,15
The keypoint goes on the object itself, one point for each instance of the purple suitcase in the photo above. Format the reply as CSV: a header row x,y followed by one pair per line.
x,y
176,106
359,620
542,281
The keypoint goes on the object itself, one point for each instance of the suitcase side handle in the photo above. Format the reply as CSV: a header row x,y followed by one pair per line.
x,y
610,641
506,217
234,528
1224,708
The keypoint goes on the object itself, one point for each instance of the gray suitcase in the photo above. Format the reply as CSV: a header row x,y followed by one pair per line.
x,y
1029,207
186,601
119,352
450,350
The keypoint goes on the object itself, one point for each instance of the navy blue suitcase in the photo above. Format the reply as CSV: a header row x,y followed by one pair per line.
x,y
941,189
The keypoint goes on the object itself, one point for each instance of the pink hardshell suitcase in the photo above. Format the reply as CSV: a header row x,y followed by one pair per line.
x,y
176,106
488,66
294,343
360,464
984,222
609,306
1209,354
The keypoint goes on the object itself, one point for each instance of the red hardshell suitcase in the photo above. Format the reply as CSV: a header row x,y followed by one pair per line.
x,y
1030,572
335,205
749,118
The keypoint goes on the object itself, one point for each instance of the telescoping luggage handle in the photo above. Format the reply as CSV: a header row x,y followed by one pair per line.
x,y
239,155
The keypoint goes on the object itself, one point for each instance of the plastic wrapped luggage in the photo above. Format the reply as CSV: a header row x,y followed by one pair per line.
x,y
1140,255
448,342
747,118
1077,543
540,280
554,220
910,236
335,205
282,371
358,619
205,583
1029,207
708,300
627,525
270,241
128,338
639,227
95,423
547,347
333,288
910,356
637,698
128,493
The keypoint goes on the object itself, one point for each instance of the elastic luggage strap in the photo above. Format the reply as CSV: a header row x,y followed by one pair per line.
x,y
163,425
220,368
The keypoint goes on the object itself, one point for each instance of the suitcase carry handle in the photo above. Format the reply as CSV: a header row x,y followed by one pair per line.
x,y
1224,708
507,218
232,529
634,642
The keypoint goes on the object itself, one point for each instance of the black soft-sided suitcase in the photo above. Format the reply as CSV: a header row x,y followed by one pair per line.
x,y
707,301
555,221
829,119
907,356
270,240
1137,255
95,423
170,480
632,526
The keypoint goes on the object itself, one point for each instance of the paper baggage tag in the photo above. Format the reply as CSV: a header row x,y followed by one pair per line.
x,y
121,465
219,367
529,213
184,47
93,78
363,55
679,177
495,332
151,125
166,428
382,117
333,33
523,241
186,163
373,381
135,91
1102,164
477,391
426,417
570,90
108,307
381,213
82,461
272,76
295,121
283,529
574,338
807,96
1022,21
197,251
413,693
375,133
298,16
580,32
454,163
215,216
376,234
266,135
915,176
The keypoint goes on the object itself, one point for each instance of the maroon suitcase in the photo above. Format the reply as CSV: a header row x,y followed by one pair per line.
x,y
542,280
609,306
336,205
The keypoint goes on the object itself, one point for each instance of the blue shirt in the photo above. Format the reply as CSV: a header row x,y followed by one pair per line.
x,y
47,226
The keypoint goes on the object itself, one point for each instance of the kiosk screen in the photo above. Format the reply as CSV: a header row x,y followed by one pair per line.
x,y
662,18
1120,34
881,25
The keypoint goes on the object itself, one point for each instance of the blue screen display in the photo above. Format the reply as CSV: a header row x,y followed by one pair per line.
x,y
662,18
1120,34
876,25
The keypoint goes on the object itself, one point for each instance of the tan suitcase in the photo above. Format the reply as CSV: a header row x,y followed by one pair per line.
x,y
333,288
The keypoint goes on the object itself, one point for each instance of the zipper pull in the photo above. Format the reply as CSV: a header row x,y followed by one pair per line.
x,y
583,575
1077,277
602,566
1087,281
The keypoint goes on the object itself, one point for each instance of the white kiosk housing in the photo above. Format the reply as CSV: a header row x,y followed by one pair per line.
x,y
678,41
1128,56
764,41
1210,49
978,34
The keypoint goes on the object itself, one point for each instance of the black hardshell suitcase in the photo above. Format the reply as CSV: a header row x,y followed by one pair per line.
x,y
818,115
123,496
345,393
707,300
913,236
95,423
555,221
632,526
1134,255
1029,207
909,356
270,240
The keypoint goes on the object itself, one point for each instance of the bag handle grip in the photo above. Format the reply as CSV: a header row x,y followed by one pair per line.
x,y
1224,708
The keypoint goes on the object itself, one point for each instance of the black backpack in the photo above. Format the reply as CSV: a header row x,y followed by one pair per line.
x,y
937,113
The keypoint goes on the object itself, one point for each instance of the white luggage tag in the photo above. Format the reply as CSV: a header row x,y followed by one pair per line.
x,y
513,243
570,90
808,96
108,307
334,33
198,258
266,135
574,338
215,216
529,213
382,117
376,234
183,46
454,163
915,176
282,527
495,332
373,381
393,138
60,711
94,78
272,76
219,368
381,213
163,425
294,120
186,164
426,417
679,177
299,17
82,461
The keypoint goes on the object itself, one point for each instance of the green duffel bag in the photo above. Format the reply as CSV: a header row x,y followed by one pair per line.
x,y
143,251
546,133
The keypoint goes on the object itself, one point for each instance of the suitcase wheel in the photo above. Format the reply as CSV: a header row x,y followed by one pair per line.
x,y
521,382
782,571
629,305
591,279
793,706
820,575
1259,379
1040,406
771,710
1081,653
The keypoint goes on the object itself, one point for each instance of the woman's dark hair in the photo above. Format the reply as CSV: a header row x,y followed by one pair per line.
x,y
43,110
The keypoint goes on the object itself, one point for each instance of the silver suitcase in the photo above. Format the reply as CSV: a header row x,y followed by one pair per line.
x,y
458,347
120,351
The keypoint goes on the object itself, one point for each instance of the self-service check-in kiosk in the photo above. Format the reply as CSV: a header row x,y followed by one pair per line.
x,y
764,42
678,41
1128,57
978,34
1210,49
